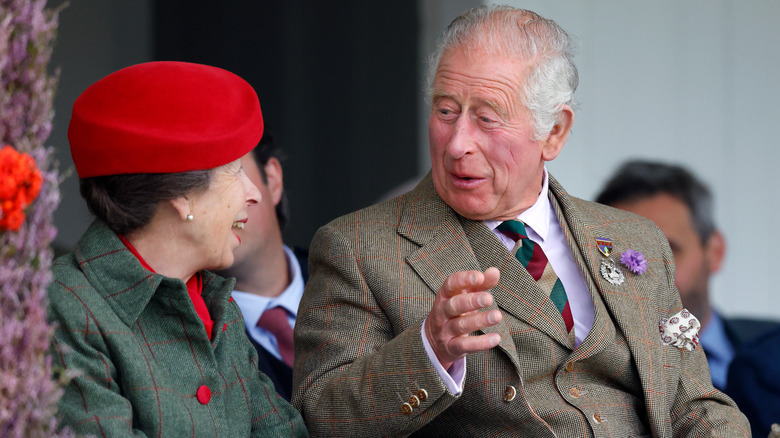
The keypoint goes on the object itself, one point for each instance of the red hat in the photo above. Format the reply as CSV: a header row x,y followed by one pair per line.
x,y
163,117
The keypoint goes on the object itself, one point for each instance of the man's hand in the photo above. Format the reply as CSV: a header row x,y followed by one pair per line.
x,y
455,314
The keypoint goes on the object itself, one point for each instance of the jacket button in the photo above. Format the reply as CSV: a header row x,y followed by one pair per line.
x,y
406,408
414,401
597,418
204,394
570,366
510,393
422,395
574,392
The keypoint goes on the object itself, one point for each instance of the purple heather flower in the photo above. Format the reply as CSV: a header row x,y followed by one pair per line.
x,y
634,261
29,395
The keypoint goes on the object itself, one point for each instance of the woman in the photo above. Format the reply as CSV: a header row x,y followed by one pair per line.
x,y
154,343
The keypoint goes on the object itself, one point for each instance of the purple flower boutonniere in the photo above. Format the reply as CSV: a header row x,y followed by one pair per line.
x,y
634,261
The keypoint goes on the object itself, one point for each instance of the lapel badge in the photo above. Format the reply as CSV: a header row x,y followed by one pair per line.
x,y
604,245
611,272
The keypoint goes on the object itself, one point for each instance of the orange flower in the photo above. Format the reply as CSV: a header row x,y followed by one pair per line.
x,y
20,183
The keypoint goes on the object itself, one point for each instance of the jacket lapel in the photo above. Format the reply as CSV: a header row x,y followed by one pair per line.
x,y
450,244
631,305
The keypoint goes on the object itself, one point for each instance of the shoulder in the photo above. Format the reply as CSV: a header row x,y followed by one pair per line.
x,y
743,331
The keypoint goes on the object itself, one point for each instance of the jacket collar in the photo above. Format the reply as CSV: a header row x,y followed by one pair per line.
x,y
126,286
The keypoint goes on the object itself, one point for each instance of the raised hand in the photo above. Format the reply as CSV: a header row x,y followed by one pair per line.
x,y
455,314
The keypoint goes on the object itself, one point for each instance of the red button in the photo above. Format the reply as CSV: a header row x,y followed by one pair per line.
x,y
204,394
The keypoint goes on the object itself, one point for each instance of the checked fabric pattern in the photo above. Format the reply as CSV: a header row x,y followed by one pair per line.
x,y
535,261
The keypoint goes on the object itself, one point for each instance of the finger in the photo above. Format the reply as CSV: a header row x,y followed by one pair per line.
x,y
459,282
466,302
470,281
463,325
462,345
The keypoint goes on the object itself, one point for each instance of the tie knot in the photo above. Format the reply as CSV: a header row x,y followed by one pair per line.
x,y
513,229
274,320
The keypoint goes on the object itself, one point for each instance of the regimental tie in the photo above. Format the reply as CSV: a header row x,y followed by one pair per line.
x,y
275,321
535,261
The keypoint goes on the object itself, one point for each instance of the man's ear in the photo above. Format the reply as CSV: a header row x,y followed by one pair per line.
x,y
559,134
182,206
273,175
715,250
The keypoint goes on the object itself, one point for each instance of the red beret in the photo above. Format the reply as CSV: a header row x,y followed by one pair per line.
x,y
163,117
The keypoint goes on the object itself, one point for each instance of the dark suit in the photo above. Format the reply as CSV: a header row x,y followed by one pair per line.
x,y
375,273
279,372
753,382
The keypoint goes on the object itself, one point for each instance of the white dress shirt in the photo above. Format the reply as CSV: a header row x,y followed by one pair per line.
x,y
543,228
252,306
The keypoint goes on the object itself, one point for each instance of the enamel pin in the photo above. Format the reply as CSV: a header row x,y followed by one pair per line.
x,y
604,245
611,272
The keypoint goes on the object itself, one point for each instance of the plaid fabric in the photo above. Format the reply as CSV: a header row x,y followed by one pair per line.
x,y
374,274
143,362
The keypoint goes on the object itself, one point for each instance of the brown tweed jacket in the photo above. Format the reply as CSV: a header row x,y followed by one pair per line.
x,y
374,273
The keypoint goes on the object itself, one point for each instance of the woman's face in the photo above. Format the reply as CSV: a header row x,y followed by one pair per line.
x,y
219,214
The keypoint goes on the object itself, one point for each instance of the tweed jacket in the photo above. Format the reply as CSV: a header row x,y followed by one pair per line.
x,y
141,360
373,278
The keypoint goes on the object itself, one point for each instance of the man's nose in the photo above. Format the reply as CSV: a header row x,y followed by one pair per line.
x,y
463,140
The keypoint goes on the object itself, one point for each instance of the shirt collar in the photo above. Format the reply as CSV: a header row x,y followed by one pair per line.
x,y
252,306
537,217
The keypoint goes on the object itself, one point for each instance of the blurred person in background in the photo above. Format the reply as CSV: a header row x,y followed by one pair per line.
x,y
682,207
270,276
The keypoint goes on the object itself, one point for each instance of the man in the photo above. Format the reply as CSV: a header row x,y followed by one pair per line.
x,y
384,339
681,206
269,274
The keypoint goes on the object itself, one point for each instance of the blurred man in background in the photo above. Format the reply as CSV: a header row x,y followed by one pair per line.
x,y
270,276
682,207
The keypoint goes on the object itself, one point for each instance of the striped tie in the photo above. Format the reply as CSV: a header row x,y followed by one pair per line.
x,y
535,261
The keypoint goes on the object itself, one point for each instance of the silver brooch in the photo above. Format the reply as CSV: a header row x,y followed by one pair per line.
x,y
611,272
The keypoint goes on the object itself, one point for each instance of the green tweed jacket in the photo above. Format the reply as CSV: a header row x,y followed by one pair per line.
x,y
143,364
361,368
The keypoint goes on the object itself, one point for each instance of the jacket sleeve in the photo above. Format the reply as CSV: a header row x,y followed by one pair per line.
x,y
91,403
272,415
353,372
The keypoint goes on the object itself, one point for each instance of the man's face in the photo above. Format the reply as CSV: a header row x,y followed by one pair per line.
x,y
485,163
695,261
262,226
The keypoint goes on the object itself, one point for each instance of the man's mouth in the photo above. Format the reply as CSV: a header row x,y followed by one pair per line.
x,y
239,224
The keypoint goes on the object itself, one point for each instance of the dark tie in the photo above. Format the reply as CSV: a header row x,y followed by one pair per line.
x,y
535,261
275,321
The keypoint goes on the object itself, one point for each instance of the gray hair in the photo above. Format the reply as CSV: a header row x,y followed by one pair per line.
x,y
638,179
551,78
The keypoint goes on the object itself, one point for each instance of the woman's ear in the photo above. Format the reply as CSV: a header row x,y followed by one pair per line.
x,y
182,207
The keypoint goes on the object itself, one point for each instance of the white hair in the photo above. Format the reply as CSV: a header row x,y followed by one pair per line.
x,y
551,77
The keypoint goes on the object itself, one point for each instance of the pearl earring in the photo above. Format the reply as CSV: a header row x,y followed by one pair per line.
x,y
190,217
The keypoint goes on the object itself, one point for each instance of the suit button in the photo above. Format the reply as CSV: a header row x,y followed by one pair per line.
x,y
510,393
597,418
414,401
406,408
574,392
204,394
570,366
422,395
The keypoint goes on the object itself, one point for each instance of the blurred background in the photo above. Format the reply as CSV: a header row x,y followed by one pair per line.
x,y
341,87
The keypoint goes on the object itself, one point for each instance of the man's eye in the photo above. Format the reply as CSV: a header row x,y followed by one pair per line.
x,y
486,120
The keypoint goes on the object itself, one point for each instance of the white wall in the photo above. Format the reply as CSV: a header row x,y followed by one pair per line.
x,y
692,82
